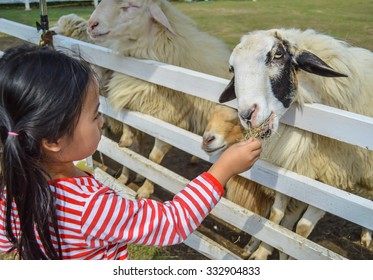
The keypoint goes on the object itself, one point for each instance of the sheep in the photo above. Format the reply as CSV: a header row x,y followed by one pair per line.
x,y
154,29
222,130
268,78
74,26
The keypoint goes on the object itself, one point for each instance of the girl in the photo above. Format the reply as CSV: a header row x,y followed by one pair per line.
x,y
50,209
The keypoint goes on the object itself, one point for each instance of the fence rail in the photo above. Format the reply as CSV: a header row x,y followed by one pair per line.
x,y
347,127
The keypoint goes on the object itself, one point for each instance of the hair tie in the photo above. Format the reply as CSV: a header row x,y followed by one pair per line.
x,y
12,133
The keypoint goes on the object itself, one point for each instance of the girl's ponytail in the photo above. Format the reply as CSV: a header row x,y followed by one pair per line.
x,y
25,169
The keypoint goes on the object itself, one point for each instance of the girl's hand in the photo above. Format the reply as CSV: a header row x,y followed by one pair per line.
x,y
236,159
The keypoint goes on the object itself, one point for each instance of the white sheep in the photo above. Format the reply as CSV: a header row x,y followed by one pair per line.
x,y
154,29
276,68
74,26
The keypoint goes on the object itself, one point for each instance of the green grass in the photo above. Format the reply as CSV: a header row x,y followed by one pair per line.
x,y
17,12
142,252
350,20
345,19
136,252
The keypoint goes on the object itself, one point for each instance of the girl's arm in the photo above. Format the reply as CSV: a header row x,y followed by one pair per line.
x,y
111,218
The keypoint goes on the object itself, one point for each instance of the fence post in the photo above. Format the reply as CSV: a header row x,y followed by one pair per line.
x,y
27,5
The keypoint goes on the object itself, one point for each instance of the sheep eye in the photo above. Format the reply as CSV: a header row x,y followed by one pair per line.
x,y
129,7
279,54
231,69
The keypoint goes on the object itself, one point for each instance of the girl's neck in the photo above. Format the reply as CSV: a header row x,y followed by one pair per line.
x,y
63,170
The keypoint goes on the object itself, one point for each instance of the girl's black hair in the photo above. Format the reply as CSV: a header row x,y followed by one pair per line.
x,y
41,97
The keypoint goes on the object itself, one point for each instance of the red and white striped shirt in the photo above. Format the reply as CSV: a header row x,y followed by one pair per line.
x,y
96,223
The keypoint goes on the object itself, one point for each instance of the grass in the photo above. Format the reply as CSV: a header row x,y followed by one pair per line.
x,y
142,252
229,20
7,257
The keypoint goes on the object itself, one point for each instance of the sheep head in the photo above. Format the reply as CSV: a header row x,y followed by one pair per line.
x,y
223,129
126,20
265,66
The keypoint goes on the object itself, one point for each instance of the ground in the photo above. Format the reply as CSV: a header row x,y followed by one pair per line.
x,y
331,232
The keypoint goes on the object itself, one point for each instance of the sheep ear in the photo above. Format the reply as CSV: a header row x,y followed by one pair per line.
x,y
228,93
159,16
313,64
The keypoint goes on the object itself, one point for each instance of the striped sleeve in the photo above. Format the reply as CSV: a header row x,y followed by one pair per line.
x,y
5,244
108,217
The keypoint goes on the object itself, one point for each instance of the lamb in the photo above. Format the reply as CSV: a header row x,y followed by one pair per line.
x,y
154,29
268,77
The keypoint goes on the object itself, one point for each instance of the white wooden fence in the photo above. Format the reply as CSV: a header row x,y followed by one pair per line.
x,y
347,127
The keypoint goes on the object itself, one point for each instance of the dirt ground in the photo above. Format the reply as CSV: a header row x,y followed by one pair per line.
x,y
331,232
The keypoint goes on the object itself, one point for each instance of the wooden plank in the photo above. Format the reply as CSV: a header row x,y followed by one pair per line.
x,y
178,78
333,200
263,229
209,248
21,31
333,123
277,236
196,240
114,184
330,199
159,129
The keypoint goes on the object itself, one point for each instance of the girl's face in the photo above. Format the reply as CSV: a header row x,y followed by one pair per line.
x,y
87,133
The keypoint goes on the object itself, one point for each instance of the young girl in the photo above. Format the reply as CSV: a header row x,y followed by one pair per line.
x,y
50,209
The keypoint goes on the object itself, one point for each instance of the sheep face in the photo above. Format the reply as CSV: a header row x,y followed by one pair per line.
x,y
223,129
125,20
265,84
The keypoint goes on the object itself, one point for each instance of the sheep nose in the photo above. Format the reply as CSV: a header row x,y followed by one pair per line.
x,y
207,139
92,25
247,115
